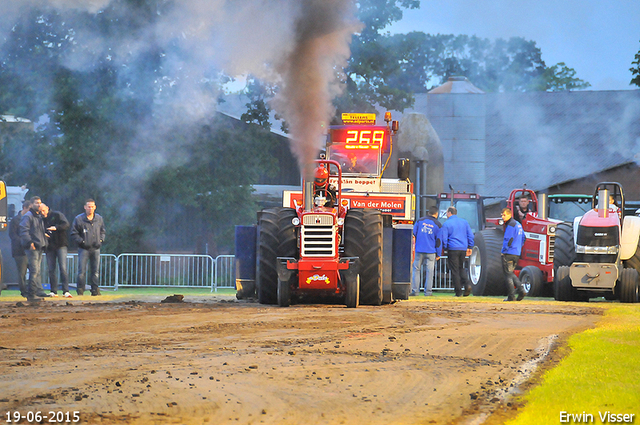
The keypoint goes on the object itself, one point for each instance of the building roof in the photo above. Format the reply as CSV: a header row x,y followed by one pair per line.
x,y
543,139
456,85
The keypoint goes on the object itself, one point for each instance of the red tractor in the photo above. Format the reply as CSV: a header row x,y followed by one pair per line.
x,y
320,248
601,249
535,267
330,238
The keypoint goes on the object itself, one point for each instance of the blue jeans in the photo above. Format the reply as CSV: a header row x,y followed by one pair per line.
x,y
59,256
34,256
420,257
89,260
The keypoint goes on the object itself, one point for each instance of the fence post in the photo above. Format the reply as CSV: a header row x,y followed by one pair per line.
x,y
214,275
117,280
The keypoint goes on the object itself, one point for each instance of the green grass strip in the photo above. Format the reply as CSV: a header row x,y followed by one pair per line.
x,y
601,374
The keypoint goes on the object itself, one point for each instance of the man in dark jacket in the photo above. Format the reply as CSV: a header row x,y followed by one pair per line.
x,y
427,247
34,242
457,238
522,208
56,226
511,249
17,251
88,232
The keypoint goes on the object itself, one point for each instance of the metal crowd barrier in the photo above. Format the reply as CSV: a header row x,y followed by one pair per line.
x,y
225,274
156,270
181,270
164,270
442,279
107,270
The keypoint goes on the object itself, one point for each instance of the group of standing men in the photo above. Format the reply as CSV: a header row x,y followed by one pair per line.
x,y
456,236
36,230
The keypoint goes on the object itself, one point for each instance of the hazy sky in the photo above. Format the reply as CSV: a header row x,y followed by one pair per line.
x,y
597,38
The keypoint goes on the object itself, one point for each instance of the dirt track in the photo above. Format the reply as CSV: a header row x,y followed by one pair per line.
x,y
217,360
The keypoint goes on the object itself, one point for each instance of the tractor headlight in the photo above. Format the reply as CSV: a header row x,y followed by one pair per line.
x,y
611,250
500,222
340,221
295,221
552,230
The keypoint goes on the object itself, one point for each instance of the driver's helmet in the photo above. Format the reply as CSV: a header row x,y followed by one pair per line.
x,y
321,176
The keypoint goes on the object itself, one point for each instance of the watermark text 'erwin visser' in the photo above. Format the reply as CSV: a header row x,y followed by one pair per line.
x,y
605,417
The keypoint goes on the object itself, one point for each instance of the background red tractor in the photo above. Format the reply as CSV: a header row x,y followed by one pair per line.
x,y
535,268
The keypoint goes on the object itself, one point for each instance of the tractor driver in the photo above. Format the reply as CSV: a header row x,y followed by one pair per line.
x,y
613,206
322,188
521,210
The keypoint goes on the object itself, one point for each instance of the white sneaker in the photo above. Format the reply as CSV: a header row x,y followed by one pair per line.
x,y
53,294
67,295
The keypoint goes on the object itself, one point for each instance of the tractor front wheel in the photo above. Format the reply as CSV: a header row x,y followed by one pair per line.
x,y
532,280
563,290
352,297
629,286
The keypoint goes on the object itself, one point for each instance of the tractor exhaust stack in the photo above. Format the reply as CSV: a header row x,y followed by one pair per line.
x,y
308,195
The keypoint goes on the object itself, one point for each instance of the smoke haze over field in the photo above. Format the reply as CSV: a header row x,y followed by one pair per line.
x,y
297,44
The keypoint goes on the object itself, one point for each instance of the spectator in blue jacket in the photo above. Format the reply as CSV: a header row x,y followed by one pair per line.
x,y
427,247
511,249
457,238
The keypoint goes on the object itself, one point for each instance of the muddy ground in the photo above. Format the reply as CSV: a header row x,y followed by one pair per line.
x,y
217,360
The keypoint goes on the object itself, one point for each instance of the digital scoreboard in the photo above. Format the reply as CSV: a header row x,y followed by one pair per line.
x,y
360,137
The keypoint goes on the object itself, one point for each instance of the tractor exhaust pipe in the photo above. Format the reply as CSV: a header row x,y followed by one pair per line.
x,y
603,203
543,206
308,195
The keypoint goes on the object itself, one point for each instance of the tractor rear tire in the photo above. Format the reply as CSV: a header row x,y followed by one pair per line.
x,y
565,250
563,290
629,286
532,280
634,262
352,297
276,238
485,263
363,239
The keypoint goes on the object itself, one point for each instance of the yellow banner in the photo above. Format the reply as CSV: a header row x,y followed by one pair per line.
x,y
360,118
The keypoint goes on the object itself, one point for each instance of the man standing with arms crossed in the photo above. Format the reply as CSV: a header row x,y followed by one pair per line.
x,y
88,232
457,238
427,247
56,225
